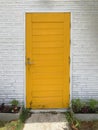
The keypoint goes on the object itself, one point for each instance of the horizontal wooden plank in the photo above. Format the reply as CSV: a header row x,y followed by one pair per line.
x,y
47,76
37,94
48,87
47,81
47,63
52,102
47,70
36,32
48,38
48,17
59,80
47,57
47,25
47,50
44,44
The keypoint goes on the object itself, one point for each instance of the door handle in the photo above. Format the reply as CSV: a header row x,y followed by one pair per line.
x,y
28,62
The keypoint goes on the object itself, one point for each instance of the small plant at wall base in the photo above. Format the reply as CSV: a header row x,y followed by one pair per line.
x,y
76,105
74,123
13,108
93,104
90,106
24,114
14,102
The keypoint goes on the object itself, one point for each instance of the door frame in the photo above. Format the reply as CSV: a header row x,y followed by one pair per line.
x,y
70,65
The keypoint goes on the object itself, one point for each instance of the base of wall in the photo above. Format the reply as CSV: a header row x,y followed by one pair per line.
x,y
10,116
86,117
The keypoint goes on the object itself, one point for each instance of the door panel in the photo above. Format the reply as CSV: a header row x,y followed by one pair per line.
x,y
47,60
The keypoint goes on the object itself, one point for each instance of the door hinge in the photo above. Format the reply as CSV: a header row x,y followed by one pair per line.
x,y
69,79
70,41
69,59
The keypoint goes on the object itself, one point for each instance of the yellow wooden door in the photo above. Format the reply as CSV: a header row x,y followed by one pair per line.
x,y
47,60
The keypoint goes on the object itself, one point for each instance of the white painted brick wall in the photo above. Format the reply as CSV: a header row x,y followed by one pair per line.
x,y
84,45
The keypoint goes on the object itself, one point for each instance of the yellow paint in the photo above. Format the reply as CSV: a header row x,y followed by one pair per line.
x,y
48,48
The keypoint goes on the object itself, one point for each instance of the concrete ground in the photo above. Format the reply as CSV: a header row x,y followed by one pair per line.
x,y
47,121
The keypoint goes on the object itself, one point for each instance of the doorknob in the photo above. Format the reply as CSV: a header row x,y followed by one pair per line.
x,y
28,62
